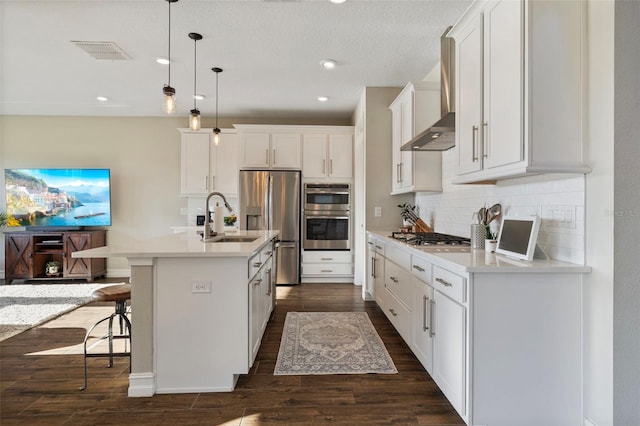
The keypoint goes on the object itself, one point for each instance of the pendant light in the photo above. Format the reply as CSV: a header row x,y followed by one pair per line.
x,y
169,100
194,117
216,131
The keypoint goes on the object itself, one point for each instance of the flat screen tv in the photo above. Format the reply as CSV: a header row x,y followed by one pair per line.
x,y
59,198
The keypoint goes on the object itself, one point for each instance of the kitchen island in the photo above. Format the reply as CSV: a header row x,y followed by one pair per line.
x,y
198,309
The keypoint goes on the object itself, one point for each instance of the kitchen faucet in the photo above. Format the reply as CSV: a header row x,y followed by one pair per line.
x,y
208,233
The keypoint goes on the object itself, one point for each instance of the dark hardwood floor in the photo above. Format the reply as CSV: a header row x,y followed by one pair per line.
x,y
39,386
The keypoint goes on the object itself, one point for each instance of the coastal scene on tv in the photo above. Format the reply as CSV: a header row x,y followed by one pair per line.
x,y
58,197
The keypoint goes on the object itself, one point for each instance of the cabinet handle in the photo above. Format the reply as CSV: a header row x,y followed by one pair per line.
x,y
373,267
274,156
213,182
206,182
257,264
269,286
258,281
378,247
326,258
432,330
393,312
401,166
268,253
394,279
443,282
330,167
323,166
370,243
419,268
485,141
424,313
266,156
398,172
326,270
474,142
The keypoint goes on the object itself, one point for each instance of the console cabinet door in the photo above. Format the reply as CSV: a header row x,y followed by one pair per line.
x,y
18,251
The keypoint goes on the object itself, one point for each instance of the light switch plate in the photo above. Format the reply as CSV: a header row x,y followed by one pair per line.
x,y
377,211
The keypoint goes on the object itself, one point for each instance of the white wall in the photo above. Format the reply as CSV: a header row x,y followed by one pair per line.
x,y
598,288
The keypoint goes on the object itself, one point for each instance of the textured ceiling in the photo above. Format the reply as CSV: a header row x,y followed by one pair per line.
x,y
269,50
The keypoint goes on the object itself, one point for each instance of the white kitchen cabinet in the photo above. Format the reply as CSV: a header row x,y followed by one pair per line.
x,y
519,108
268,147
207,167
327,155
194,165
422,343
377,272
260,298
327,266
415,109
449,329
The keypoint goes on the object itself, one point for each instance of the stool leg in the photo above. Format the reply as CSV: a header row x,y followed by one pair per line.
x,y
111,340
86,339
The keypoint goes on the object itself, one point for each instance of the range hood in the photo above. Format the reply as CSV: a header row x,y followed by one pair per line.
x,y
441,135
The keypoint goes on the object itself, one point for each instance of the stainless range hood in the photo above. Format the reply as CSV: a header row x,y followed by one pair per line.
x,y
441,135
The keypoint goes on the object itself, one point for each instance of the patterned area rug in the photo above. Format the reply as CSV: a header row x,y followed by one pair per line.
x,y
24,306
331,343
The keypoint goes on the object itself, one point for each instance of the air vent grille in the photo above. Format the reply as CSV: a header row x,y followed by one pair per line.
x,y
103,50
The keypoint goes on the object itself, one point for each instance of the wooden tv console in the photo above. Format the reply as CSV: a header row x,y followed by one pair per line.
x,y
28,252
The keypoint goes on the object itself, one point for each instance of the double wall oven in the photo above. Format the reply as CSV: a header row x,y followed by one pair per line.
x,y
327,216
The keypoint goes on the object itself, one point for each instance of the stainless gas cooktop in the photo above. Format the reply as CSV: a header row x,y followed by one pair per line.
x,y
434,241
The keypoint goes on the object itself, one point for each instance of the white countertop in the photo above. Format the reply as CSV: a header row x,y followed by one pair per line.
x,y
184,244
479,261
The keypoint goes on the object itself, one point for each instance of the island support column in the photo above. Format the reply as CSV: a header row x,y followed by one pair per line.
x,y
142,377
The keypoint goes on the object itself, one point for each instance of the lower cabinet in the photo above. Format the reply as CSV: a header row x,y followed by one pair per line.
x,y
422,323
327,266
261,287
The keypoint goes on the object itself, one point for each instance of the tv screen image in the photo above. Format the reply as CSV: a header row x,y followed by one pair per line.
x,y
51,198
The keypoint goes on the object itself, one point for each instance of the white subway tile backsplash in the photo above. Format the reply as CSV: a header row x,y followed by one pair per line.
x,y
557,199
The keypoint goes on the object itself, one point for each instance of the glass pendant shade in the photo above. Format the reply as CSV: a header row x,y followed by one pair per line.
x,y
216,136
194,120
169,100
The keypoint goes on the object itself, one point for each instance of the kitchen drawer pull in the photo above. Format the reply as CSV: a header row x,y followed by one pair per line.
x,y
373,267
370,243
378,247
268,253
323,166
393,312
394,279
274,156
257,282
326,270
443,282
269,282
474,143
326,258
256,264
419,268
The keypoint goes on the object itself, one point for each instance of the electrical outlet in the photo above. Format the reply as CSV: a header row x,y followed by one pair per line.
x,y
200,286
377,211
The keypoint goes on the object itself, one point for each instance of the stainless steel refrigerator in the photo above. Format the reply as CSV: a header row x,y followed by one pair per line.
x,y
270,199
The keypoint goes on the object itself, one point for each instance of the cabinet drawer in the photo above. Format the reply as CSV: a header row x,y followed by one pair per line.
x,y
399,316
326,257
421,268
266,252
255,263
398,281
399,257
376,245
334,269
453,285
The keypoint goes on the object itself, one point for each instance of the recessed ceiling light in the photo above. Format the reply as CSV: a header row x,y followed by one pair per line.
x,y
328,64
162,61
337,1
323,98
199,96
102,98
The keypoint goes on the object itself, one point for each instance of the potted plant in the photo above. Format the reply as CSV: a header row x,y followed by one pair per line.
x,y
52,268
7,220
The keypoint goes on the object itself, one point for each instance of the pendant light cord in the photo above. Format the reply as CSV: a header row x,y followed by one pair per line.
x,y
169,83
217,75
195,67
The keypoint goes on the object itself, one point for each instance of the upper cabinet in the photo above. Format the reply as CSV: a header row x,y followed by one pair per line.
x,y
416,108
328,155
207,167
269,147
520,77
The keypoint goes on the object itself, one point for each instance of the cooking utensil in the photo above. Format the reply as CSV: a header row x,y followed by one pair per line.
x,y
494,212
482,215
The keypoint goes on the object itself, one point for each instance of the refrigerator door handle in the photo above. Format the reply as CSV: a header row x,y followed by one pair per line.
x,y
269,203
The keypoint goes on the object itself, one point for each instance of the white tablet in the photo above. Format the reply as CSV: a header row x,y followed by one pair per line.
x,y
518,236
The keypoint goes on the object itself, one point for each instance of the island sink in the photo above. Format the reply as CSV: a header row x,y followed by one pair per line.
x,y
229,239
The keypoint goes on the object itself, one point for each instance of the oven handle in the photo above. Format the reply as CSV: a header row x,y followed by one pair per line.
x,y
324,216
321,191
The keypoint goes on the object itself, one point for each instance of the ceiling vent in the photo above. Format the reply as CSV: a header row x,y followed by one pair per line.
x,y
103,50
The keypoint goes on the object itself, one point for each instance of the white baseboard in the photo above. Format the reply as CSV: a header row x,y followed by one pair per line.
x,y
589,422
142,385
119,272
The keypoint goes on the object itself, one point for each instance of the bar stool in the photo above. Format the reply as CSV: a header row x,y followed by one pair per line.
x,y
119,294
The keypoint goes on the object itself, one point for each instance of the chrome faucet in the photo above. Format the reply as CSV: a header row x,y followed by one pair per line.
x,y
208,233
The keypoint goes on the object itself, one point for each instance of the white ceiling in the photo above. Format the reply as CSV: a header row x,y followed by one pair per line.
x,y
269,50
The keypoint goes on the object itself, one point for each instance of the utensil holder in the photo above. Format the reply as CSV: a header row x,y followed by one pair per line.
x,y
478,234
